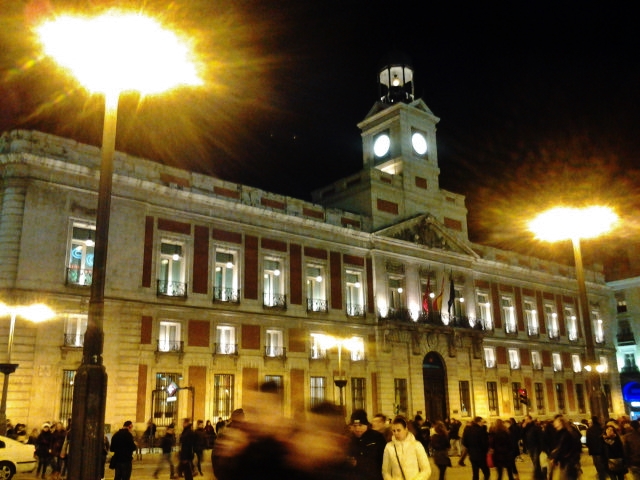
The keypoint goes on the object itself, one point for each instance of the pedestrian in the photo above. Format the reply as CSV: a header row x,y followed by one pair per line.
x,y
44,445
454,437
464,453
476,439
200,444
222,458
59,434
123,446
366,448
440,444
380,424
631,444
404,457
220,424
211,434
595,447
149,436
501,445
613,452
188,442
565,450
166,445
532,441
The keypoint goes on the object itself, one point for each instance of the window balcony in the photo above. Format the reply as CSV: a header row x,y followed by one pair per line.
x,y
355,310
170,346
172,289
271,351
537,366
73,340
357,356
274,301
400,314
318,354
228,295
554,335
315,305
625,338
79,277
533,332
514,365
225,349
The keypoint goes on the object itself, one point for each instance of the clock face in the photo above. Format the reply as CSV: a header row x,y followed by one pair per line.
x,y
419,143
381,145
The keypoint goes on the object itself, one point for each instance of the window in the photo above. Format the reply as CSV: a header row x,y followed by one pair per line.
x,y
459,307
80,267
316,289
538,388
508,314
277,380
560,396
400,395
172,271
223,392
169,337
484,310
556,359
318,346
492,397
66,399
604,364
396,293
576,363
164,400
621,303
629,363
274,343
531,317
598,328
354,293
225,280
74,330
536,360
226,340
514,358
551,318
465,398
318,390
489,357
273,286
515,396
358,393
607,393
572,323
580,397
356,347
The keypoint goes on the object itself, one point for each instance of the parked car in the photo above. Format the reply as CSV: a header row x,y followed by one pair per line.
x,y
582,428
15,457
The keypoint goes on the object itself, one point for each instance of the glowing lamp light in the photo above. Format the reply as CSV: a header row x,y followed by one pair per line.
x,y
117,52
565,223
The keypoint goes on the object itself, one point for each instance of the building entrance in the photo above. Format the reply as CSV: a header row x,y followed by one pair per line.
x,y
435,392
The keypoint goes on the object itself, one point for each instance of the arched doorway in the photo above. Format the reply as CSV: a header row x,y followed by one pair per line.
x,y
435,392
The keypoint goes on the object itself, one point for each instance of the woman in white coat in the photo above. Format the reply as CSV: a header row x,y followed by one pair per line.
x,y
404,457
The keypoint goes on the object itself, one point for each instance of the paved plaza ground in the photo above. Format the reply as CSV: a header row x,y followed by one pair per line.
x,y
143,469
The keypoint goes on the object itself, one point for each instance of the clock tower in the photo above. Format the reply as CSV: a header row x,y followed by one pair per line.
x,y
400,172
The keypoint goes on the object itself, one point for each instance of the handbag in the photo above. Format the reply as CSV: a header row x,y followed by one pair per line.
x,y
112,463
616,465
490,459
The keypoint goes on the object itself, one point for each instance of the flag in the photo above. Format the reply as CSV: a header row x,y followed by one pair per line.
x,y
425,296
452,294
437,302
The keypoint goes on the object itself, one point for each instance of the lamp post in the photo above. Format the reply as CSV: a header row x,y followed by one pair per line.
x,y
109,54
574,224
33,313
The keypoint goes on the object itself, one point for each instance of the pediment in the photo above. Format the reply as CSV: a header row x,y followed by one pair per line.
x,y
381,106
426,230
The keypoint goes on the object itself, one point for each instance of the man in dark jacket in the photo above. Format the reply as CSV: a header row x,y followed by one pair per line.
x,y
631,442
366,448
595,446
188,441
123,446
476,439
166,445
532,439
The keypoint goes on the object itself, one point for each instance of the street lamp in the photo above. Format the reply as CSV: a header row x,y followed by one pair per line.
x,y
109,54
562,223
340,380
34,313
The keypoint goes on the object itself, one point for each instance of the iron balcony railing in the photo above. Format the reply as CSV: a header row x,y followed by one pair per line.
x,y
355,310
225,348
170,346
172,289
73,340
224,294
315,305
275,352
275,301
79,276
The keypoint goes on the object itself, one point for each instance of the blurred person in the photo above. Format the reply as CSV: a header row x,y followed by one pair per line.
x,y
380,424
454,437
43,449
166,446
149,436
613,452
501,445
464,452
595,447
220,424
476,440
188,446
211,434
33,436
631,444
440,444
532,441
566,450
123,446
404,457
200,445
366,448
59,435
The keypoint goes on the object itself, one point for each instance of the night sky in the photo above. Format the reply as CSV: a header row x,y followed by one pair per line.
x,y
539,101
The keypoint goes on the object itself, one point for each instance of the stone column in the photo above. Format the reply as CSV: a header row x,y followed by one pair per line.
x,y
12,200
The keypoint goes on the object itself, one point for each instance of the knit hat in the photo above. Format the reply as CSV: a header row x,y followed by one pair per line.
x,y
47,425
359,417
